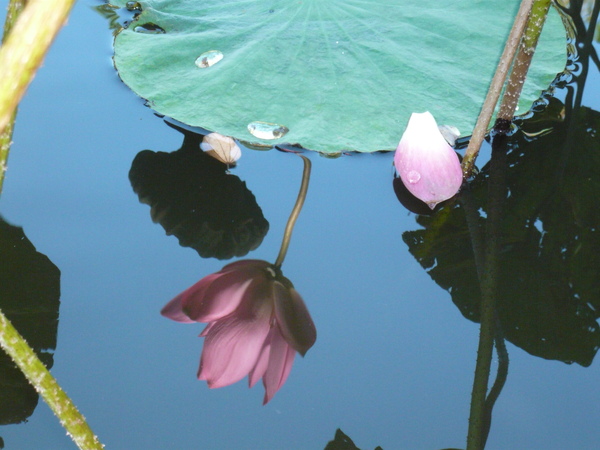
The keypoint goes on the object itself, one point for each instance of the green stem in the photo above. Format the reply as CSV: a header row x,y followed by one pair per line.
x,y
45,384
491,99
5,142
14,9
29,30
287,234
21,54
512,93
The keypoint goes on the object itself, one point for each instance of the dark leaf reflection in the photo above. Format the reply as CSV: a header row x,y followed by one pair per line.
x,y
548,299
30,298
342,441
195,198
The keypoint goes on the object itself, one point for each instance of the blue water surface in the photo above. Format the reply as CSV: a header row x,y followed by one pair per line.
x,y
394,359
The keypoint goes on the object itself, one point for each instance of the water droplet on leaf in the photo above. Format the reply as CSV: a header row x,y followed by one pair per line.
x,y
149,28
209,58
266,130
133,6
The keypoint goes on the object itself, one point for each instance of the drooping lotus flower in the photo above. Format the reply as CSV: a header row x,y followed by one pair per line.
x,y
427,165
256,319
256,324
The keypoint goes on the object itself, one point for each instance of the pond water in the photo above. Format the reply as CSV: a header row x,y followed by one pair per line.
x,y
394,358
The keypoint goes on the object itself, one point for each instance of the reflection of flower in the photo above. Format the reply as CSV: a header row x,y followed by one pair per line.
x,y
256,319
427,165
256,324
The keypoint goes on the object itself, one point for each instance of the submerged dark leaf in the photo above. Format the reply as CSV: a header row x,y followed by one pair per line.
x,y
30,298
195,198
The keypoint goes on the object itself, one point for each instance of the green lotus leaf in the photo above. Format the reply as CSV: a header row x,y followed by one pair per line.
x,y
329,75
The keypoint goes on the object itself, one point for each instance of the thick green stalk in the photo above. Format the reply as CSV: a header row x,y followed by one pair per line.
x,y
512,93
30,28
14,9
22,53
491,99
5,142
45,384
287,234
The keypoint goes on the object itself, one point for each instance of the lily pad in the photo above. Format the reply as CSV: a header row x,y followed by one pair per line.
x,y
329,75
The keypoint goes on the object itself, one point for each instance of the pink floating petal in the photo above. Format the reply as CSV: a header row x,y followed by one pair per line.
x,y
293,318
281,359
427,165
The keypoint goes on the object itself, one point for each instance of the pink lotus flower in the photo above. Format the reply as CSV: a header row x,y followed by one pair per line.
x,y
427,165
256,324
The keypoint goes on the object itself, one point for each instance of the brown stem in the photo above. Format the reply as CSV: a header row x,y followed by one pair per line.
x,y
287,234
512,93
491,99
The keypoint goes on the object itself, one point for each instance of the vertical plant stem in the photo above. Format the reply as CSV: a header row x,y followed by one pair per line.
x,y
5,142
491,99
22,53
287,234
512,93
45,384
29,30
479,417
501,376
14,9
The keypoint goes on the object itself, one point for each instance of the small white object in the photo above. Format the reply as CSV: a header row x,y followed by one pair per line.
x,y
450,133
222,148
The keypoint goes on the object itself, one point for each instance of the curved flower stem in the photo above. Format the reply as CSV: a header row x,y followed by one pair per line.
x,y
287,234
45,384
21,54
501,376
491,99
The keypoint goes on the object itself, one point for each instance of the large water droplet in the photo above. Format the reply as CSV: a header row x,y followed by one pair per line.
x,y
413,176
133,6
266,130
149,28
209,58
